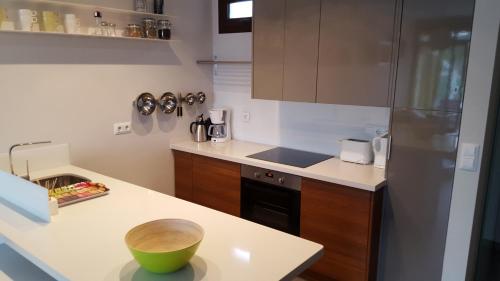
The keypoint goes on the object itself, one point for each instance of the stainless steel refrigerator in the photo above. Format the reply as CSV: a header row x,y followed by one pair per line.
x,y
428,96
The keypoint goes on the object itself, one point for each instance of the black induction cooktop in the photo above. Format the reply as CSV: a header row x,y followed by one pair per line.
x,y
291,157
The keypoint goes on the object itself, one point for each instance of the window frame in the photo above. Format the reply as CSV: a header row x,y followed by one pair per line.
x,y
227,25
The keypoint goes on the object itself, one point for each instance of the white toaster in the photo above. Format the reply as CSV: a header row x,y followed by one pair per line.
x,y
356,151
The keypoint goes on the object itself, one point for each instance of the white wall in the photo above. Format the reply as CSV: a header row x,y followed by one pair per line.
x,y
232,89
313,127
473,128
72,90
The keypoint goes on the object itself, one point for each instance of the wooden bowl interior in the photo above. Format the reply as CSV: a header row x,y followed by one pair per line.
x,y
162,236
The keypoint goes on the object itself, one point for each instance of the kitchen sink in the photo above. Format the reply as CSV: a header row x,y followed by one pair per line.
x,y
59,181
69,189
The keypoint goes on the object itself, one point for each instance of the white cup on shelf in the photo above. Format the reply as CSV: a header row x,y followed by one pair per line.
x,y
27,18
71,24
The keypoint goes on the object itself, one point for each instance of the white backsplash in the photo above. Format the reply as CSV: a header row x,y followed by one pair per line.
x,y
320,127
306,126
232,90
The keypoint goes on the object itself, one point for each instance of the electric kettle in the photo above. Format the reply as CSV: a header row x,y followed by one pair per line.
x,y
380,150
198,130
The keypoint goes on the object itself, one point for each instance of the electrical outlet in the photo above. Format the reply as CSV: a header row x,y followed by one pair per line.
x,y
122,128
246,116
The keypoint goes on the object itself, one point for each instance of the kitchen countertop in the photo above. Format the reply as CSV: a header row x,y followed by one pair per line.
x,y
85,241
365,177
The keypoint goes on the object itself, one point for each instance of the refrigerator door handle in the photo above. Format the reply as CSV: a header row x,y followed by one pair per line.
x,y
389,147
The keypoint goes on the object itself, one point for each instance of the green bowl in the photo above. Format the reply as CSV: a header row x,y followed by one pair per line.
x,y
164,246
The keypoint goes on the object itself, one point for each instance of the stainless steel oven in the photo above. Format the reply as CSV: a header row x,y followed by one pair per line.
x,y
271,198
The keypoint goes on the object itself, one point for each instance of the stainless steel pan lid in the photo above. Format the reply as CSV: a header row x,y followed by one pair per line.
x,y
168,103
145,104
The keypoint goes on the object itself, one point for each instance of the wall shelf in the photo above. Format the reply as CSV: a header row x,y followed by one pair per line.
x,y
213,62
84,13
42,33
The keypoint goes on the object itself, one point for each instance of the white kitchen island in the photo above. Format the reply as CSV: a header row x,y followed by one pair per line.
x,y
85,241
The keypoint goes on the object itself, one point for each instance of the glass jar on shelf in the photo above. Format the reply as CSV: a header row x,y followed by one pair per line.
x,y
104,28
98,21
134,30
112,29
149,28
164,29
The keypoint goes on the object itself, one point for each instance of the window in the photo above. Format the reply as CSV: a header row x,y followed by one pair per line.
x,y
235,16
239,10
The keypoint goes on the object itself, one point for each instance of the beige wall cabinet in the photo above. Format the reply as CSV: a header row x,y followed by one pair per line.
x,y
355,52
324,51
301,50
268,49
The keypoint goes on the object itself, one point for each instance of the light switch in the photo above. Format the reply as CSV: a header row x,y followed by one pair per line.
x,y
246,116
468,157
469,150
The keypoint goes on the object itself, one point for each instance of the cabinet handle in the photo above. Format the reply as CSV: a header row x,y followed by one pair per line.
x,y
389,148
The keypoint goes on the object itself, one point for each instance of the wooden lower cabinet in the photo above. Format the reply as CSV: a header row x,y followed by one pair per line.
x,y
208,181
183,175
347,222
216,184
